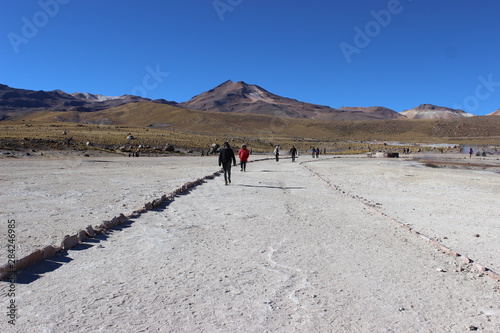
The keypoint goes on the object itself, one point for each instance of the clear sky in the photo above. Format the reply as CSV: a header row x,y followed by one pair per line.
x,y
396,54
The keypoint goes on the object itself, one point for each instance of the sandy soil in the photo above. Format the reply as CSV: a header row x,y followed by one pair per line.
x,y
51,198
278,250
457,206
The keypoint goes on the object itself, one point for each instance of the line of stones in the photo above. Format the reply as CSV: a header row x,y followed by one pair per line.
x,y
466,260
70,241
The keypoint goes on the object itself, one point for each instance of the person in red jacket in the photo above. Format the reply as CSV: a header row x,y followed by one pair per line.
x,y
243,154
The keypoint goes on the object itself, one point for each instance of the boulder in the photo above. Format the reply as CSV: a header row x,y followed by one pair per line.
x,y
49,252
29,260
82,235
69,241
90,231
122,218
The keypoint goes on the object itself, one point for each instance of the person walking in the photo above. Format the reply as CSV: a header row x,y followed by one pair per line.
x,y
313,152
243,154
226,156
277,153
293,152
471,151
317,152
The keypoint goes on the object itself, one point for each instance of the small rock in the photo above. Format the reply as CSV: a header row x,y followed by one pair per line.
x,y
441,270
476,235
169,147
472,328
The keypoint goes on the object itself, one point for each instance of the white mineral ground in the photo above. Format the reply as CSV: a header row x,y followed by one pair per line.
x,y
281,249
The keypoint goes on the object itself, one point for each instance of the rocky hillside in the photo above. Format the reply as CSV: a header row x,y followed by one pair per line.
x,y
240,97
429,111
228,97
495,113
20,102
377,111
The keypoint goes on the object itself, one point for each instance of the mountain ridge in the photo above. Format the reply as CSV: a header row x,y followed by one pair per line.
x,y
240,97
15,102
229,96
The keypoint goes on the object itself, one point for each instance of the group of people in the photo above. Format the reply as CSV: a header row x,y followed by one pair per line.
x,y
293,152
228,159
315,152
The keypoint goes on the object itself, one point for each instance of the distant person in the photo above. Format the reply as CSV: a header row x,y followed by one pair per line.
x,y
471,151
293,152
226,156
243,154
277,153
314,152
317,152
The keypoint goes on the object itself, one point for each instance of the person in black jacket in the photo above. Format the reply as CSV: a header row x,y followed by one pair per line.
x,y
226,156
293,152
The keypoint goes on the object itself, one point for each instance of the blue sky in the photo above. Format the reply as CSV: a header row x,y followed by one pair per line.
x,y
396,54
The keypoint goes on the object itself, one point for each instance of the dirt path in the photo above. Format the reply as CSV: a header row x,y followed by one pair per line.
x,y
276,251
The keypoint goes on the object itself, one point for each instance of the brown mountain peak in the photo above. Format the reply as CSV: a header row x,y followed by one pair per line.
x,y
430,111
241,97
494,113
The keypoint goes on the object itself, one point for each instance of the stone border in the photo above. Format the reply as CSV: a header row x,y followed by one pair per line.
x,y
440,246
70,241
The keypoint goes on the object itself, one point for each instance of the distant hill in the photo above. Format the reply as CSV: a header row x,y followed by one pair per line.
x,y
93,98
228,97
20,102
429,111
377,111
240,97
494,113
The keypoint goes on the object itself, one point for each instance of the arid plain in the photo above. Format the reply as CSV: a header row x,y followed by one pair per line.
x,y
335,244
